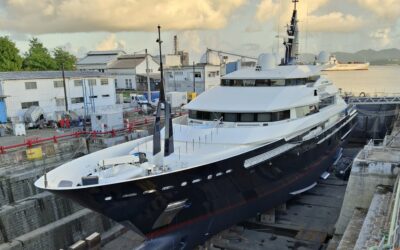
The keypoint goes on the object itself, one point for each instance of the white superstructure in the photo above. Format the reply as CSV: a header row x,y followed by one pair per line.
x,y
252,108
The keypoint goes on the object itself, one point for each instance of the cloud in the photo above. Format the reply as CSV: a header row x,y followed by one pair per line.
x,y
56,16
111,43
253,27
333,22
382,35
279,11
387,9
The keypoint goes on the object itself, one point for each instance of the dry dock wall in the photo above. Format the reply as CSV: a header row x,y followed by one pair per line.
x,y
365,176
32,219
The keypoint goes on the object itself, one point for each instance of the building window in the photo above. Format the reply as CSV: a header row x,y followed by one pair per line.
x,y
197,74
76,100
30,85
127,83
93,96
116,83
105,95
92,82
58,84
78,83
26,105
104,81
60,102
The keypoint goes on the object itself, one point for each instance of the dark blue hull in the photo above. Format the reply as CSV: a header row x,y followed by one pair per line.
x,y
175,216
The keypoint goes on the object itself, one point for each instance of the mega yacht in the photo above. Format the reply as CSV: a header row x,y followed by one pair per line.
x,y
335,65
265,135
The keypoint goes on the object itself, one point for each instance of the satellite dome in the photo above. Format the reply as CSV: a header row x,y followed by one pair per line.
x,y
210,58
323,57
266,61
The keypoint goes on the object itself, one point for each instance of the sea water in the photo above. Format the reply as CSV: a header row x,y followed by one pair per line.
x,y
380,80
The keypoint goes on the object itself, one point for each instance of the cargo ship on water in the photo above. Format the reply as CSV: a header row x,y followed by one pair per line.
x,y
335,65
266,134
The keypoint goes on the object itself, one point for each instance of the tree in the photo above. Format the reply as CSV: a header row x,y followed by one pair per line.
x,y
62,56
10,60
38,57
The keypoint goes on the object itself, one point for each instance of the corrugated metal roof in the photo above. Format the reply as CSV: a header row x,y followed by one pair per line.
x,y
127,61
97,59
106,52
26,75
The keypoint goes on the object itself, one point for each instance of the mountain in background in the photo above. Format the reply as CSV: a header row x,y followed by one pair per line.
x,y
380,57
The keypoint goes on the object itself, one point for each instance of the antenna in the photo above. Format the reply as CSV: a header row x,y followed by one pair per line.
x,y
162,93
295,3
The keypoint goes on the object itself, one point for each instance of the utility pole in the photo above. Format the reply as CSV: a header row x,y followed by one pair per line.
x,y
148,78
194,82
65,88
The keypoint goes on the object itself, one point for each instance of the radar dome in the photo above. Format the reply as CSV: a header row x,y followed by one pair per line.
x,y
323,57
266,61
210,58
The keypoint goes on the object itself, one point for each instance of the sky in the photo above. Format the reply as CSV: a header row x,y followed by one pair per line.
x,y
247,27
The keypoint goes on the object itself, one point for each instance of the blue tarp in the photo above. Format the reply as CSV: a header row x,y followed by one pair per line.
x,y
3,113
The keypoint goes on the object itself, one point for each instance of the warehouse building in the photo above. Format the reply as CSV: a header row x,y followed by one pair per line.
x,y
198,78
130,72
99,60
85,90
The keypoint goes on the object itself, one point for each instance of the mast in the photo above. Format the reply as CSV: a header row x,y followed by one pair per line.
x,y
168,140
292,43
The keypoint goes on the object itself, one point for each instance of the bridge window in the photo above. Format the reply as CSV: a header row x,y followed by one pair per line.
x,y
240,117
267,82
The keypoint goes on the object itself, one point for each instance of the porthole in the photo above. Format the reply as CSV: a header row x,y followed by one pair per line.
x,y
228,171
184,184
218,174
108,198
129,195
149,191
167,188
196,180
209,177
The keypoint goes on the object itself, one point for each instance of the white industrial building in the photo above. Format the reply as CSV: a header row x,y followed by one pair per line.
x,y
98,60
130,71
85,90
198,78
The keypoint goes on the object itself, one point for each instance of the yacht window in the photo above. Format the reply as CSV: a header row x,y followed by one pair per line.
x,y
247,117
228,171
283,115
263,82
193,114
294,82
264,117
241,117
326,102
184,184
108,198
216,116
218,174
230,117
249,83
209,177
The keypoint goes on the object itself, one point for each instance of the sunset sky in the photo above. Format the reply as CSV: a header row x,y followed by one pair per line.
x,y
243,26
